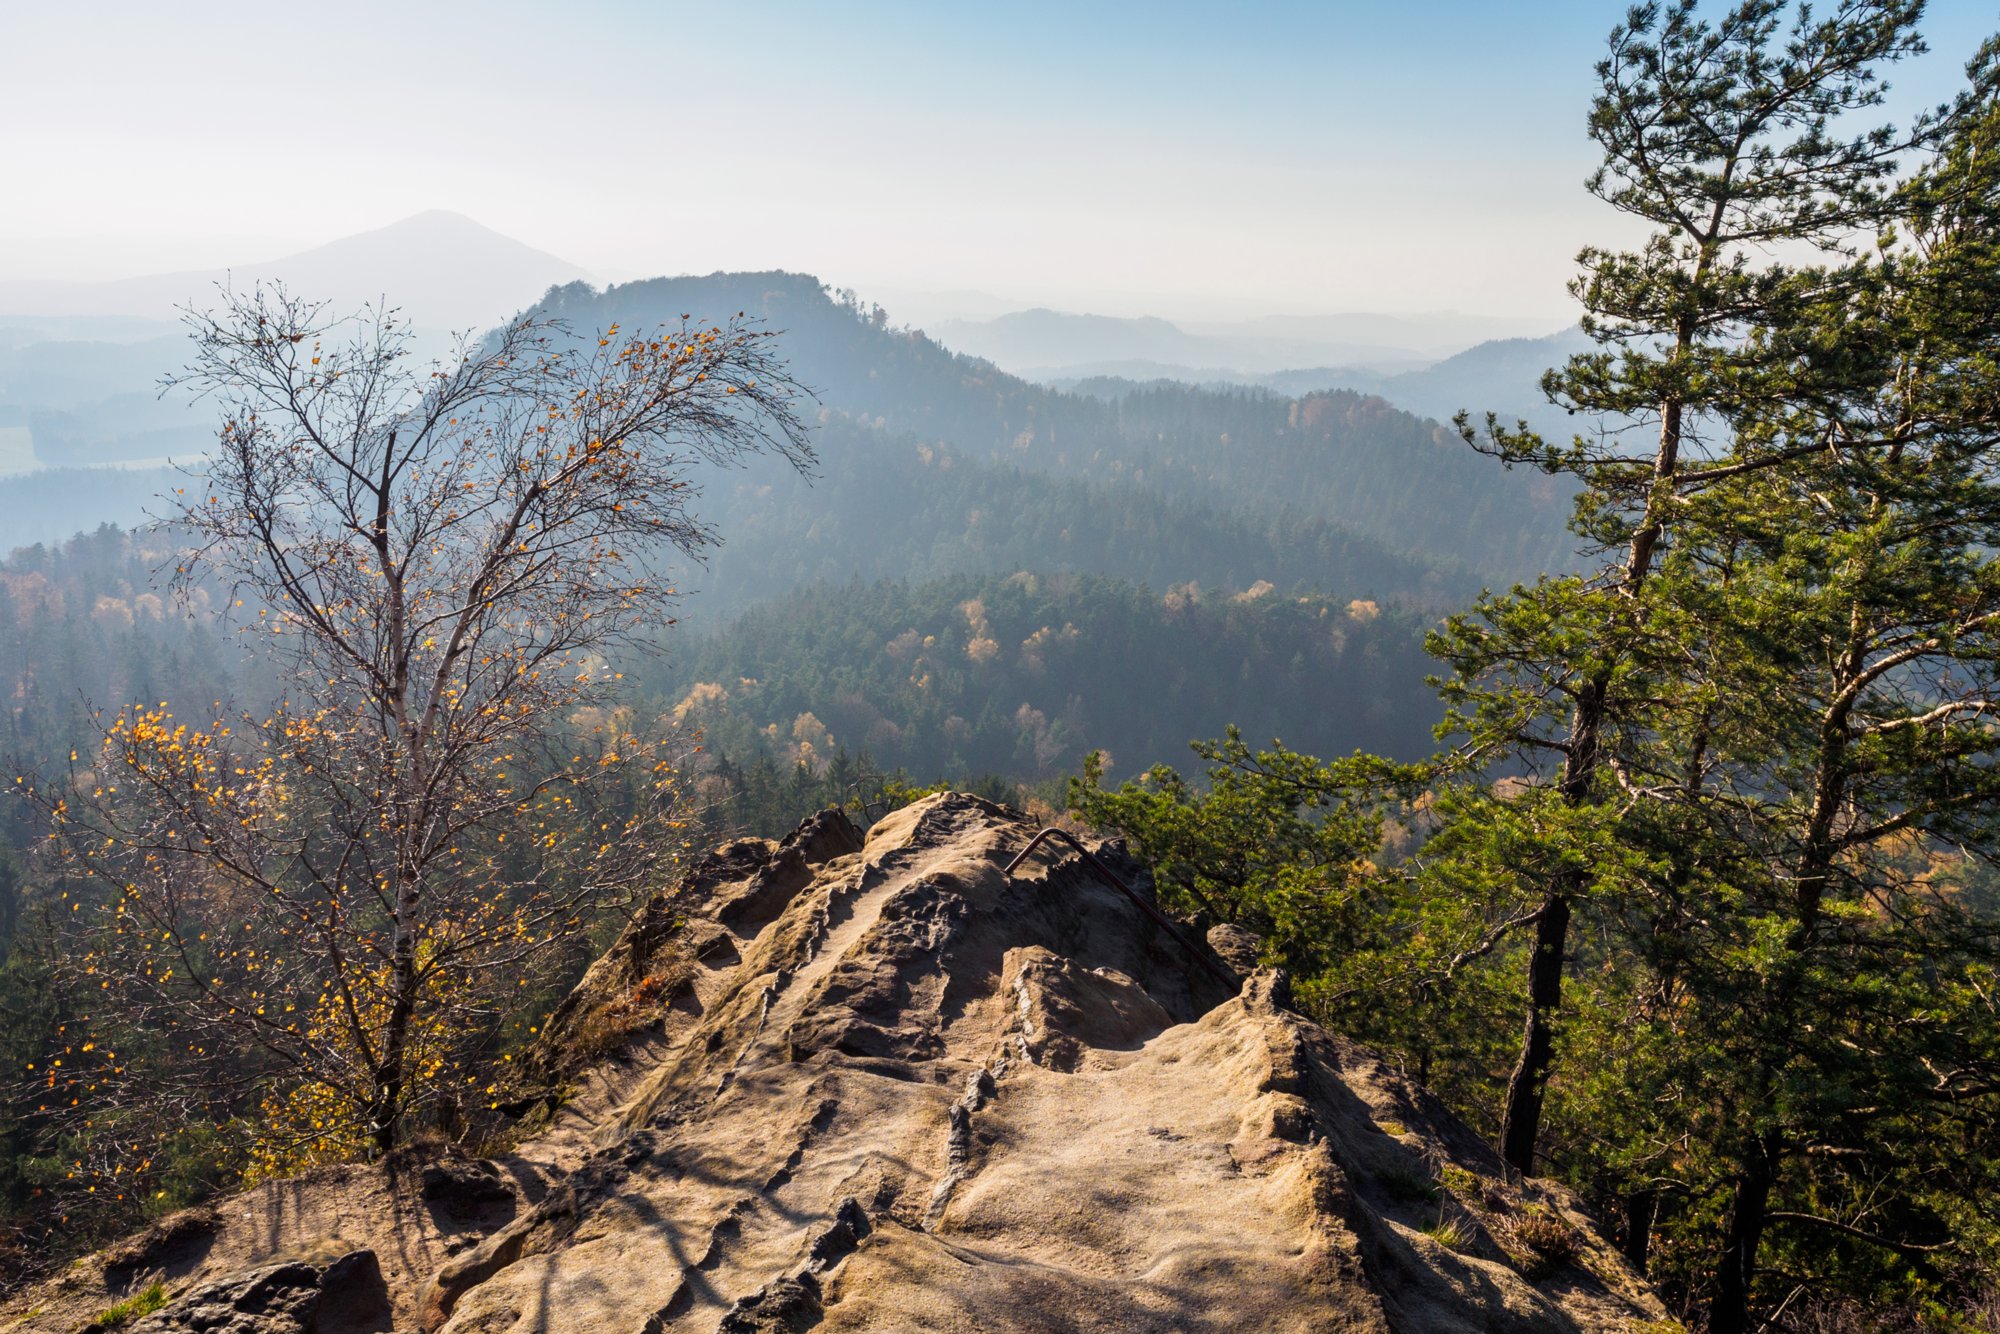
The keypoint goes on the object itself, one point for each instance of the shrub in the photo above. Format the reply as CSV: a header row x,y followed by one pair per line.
x,y
1550,1242
141,1303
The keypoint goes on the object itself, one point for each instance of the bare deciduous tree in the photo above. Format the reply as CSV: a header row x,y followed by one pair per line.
x,y
326,903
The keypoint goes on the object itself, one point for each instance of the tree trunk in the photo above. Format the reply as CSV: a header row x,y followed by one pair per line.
x,y
404,738
1730,1313
1640,1207
1522,1118
386,1114
384,1111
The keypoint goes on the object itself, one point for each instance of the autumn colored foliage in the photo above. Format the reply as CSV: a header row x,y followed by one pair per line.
x,y
308,924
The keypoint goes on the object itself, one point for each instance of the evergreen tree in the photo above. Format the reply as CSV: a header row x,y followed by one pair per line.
x,y
1723,138
1833,1024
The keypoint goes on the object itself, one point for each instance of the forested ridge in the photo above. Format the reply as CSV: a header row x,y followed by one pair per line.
x,y
896,507
1348,460
1022,674
1014,675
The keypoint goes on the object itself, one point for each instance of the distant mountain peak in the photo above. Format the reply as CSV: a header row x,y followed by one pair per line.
x,y
440,215
444,269
434,222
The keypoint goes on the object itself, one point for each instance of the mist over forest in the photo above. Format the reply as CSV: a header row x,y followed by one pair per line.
x,y
1252,549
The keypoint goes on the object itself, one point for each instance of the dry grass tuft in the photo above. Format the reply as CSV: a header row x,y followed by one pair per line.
x,y
1544,1242
609,1026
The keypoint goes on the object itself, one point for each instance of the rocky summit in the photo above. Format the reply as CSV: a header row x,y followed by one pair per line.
x,y
879,1083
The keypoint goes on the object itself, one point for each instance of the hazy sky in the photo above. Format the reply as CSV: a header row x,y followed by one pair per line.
x,y
1177,159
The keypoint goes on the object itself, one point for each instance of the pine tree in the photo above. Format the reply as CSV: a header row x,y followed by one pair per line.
x,y
1723,138
1835,1025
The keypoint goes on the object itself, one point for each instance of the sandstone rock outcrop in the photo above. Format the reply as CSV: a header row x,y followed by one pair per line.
x,y
838,1085
294,1297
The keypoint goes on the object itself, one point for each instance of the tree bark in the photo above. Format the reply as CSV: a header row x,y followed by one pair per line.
x,y
1730,1313
1640,1208
1522,1119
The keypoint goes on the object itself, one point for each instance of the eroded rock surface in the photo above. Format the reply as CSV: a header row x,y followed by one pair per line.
x,y
934,1097
835,1086
293,1298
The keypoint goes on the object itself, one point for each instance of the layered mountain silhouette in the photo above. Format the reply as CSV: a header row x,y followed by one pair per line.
x,y
1050,344
442,268
1405,485
1501,376
935,463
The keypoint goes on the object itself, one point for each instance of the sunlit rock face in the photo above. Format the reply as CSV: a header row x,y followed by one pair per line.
x,y
917,1093
848,1083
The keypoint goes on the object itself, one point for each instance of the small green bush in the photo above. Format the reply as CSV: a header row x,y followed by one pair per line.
x,y
141,1303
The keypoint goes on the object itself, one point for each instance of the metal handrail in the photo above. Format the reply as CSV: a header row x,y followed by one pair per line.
x,y
1105,873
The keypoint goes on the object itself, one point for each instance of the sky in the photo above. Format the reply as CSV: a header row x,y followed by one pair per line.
x,y
1187,160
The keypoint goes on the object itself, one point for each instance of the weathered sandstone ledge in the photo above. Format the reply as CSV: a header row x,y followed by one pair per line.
x,y
882,1085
